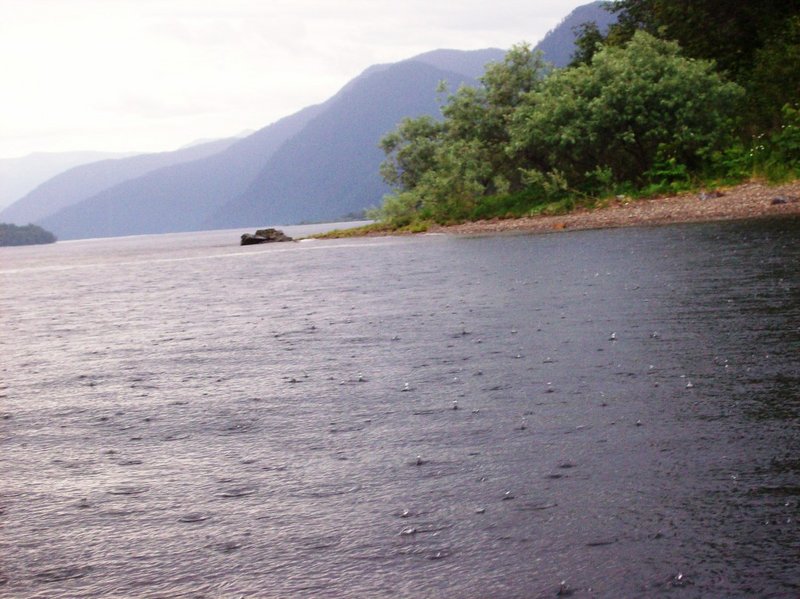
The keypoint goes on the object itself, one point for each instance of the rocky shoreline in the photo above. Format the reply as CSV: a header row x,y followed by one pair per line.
x,y
745,201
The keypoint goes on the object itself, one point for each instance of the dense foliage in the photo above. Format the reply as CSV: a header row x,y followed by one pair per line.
x,y
661,102
631,110
441,170
755,44
27,235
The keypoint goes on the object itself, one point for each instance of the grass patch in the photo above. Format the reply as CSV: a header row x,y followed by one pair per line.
x,y
362,231
373,229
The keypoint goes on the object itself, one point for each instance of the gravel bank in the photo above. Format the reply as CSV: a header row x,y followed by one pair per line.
x,y
749,200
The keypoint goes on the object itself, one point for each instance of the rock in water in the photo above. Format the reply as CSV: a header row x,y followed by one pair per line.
x,y
248,239
273,235
265,236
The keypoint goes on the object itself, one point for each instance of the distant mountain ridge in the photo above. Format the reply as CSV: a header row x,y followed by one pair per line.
x,y
20,176
83,181
177,197
317,164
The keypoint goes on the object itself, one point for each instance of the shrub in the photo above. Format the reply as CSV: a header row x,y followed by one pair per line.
x,y
631,111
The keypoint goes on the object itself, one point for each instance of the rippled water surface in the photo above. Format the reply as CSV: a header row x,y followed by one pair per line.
x,y
181,416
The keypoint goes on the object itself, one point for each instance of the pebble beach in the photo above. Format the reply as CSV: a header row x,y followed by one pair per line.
x,y
745,201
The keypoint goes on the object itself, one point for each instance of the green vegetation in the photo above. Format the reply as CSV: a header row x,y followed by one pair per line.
x,y
755,44
379,228
668,100
27,235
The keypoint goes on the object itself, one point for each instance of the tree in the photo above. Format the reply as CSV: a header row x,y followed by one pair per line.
x,y
588,41
483,114
728,32
441,170
632,108
743,38
775,81
410,151
27,235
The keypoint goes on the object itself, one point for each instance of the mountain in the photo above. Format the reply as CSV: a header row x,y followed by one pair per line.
x,y
339,137
470,63
559,43
331,167
18,176
177,197
84,181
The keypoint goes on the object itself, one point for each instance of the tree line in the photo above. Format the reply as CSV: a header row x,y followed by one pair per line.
x,y
675,94
27,235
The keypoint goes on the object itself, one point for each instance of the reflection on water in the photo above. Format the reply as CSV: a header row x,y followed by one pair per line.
x,y
608,413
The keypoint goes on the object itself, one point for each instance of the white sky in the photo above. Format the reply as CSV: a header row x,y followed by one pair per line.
x,y
151,75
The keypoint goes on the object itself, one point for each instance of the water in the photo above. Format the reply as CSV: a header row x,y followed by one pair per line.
x,y
183,417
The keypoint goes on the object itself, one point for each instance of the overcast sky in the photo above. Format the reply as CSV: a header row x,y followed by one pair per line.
x,y
151,75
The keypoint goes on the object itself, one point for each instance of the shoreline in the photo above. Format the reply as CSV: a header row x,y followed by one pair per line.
x,y
739,202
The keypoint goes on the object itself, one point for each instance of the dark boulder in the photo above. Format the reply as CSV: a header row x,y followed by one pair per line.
x,y
265,236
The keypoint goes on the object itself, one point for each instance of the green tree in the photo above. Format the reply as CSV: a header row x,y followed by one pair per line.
x,y
588,40
483,114
730,33
749,41
631,109
775,81
461,178
410,151
442,170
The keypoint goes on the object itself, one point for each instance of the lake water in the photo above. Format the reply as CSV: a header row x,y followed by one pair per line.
x,y
184,417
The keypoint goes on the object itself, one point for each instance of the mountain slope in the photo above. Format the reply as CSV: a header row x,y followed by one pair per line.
x,y
559,43
19,176
178,197
470,63
331,167
84,181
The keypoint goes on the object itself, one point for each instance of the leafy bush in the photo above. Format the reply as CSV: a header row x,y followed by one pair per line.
x,y
631,111
786,140
774,156
443,171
